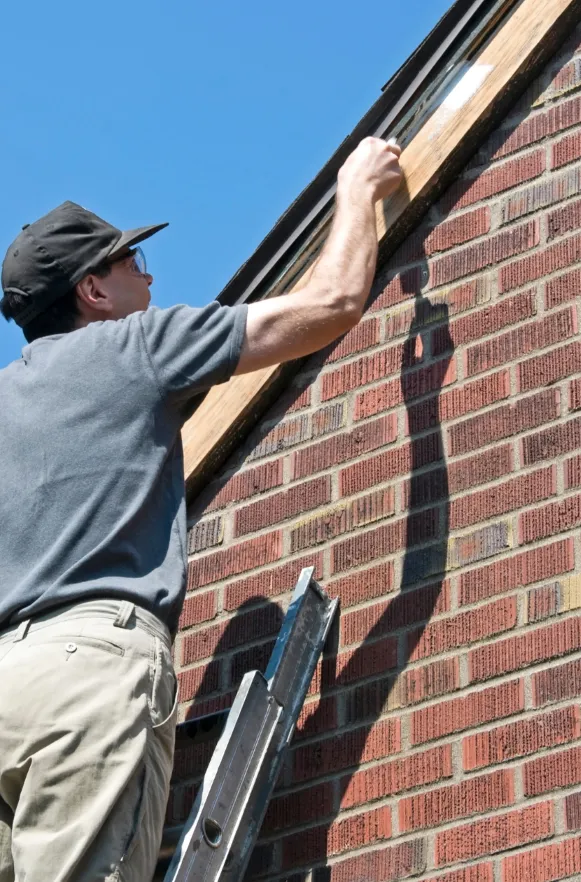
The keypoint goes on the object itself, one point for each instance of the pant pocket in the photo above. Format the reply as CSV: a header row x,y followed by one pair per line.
x,y
164,688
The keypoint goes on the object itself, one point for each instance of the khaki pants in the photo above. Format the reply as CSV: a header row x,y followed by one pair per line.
x,y
87,725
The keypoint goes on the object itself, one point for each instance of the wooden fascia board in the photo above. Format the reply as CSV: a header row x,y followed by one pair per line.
x,y
496,76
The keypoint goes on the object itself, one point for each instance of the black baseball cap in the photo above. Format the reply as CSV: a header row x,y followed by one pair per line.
x,y
49,256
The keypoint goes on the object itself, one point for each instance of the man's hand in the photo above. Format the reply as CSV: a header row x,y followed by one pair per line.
x,y
372,171
334,296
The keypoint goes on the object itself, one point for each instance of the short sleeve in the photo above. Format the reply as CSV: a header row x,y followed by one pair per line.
x,y
192,349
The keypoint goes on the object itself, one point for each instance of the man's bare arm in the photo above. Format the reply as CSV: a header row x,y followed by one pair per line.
x,y
334,296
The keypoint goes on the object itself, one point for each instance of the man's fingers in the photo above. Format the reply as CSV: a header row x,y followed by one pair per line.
x,y
394,147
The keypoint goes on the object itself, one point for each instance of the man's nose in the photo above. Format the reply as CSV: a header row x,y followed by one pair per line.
x,y
148,278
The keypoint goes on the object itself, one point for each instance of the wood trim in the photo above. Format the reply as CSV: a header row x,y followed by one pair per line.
x,y
503,67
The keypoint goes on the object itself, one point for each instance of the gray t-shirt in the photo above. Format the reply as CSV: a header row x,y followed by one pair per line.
x,y
92,500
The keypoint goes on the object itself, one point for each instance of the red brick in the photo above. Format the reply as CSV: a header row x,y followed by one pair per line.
x,y
316,843
504,421
364,371
439,308
425,488
562,289
575,395
572,468
205,534
396,776
343,447
543,603
190,762
516,493
573,811
346,750
409,607
284,435
255,658
525,649
385,864
270,583
363,336
301,399
487,320
495,834
362,585
551,442
514,572
489,251
463,628
545,864
383,467
548,520
458,402
474,709
548,260
199,608
563,220
282,506
547,369
557,683
469,797
248,483
342,519
317,717
446,235
408,386
534,128
494,180
310,804
521,738
372,658
568,78
401,286
236,559
568,149
260,622
553,770
548,331
384,540
478,873
545,192
200,680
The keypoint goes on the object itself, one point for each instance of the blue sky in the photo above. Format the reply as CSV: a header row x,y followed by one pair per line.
x,y
212,116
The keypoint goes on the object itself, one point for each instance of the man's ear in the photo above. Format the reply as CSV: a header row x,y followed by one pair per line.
x,y
93,296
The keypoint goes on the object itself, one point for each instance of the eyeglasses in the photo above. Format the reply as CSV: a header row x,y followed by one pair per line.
x,y
138,264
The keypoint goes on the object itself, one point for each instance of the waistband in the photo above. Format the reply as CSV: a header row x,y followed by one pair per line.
x,y
122,613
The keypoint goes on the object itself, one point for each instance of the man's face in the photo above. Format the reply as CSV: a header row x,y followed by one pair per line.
x,y
127,287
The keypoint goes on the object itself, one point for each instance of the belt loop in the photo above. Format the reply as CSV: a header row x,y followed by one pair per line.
x,y
125,612
21,630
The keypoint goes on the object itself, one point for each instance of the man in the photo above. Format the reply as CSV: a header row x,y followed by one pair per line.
x,y
92,513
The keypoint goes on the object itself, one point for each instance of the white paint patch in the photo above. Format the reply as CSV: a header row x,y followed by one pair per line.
x,y
465,88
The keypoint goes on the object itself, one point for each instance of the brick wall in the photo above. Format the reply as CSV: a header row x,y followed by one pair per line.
x,y
429,467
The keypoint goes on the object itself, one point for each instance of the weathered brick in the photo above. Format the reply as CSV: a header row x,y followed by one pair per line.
x,y
315,843
469,797
458,402
479,544
362,585
522,569
383,467
557,683
543,370
408,386
198,608
488,320
205,534
236,559
346,750
407,608
567,150
541,263
310,804
282,506
270,583
248,483
548,520
363,336
489,251
385,864
474,709
495,834
494,180
328,419
521,738
553,770
525,649
546,864
464,628
575,395
284,435
572,469
384,540
504,421
396,776
540,195
516,493
543,603
573,811
260,622
551,442
552,329
343,518
340,448
563,219
563,288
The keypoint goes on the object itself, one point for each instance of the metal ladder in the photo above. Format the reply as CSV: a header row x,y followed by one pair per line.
x,y
219,835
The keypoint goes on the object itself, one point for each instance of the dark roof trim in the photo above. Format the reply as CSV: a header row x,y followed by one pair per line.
x,y
460,31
